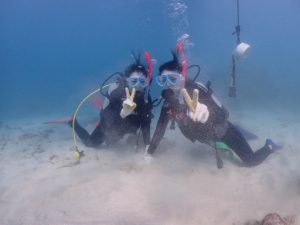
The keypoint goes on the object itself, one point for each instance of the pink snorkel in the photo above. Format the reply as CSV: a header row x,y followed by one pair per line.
x,y
183,59
148,60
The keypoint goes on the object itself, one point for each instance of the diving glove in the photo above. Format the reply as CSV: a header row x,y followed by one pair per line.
x,y
200,113
197,112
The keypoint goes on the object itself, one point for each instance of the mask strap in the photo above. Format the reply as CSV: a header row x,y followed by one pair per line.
x,y
183,59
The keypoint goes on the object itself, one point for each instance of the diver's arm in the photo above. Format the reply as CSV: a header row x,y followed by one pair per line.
x,y
146,131
215,116
217,112
146,122
117,102
159,130
115,97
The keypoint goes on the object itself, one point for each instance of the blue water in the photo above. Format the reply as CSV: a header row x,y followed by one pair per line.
x,y
53,53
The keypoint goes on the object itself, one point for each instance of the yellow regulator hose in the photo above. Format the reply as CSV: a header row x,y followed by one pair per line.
x,y
77,154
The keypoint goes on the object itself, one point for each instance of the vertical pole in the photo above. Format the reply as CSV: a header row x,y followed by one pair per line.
x,y
232,87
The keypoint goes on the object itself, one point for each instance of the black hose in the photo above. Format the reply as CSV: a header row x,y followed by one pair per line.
x,y
107,79
198,71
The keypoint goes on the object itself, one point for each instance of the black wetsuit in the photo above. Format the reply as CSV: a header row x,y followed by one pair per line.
x,y
112,126
216,128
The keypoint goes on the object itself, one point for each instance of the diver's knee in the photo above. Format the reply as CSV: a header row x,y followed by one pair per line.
x,y
90,143
250,161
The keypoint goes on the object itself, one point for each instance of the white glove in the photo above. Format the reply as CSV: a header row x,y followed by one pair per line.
x,y
128,104
201,113
147,157
198,112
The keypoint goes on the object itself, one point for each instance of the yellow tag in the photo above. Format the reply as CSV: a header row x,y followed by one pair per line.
x,y
76,154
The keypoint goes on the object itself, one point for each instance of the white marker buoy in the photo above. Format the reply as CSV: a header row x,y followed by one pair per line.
x,y
241,51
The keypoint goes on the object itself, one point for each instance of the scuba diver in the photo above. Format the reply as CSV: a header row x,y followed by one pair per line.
x,y
200,118
126,109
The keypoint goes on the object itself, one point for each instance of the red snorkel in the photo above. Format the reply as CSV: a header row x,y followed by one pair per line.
x,y
183,59
149,71
148,60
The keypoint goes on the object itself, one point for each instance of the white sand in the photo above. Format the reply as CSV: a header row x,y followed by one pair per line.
x,y
181,186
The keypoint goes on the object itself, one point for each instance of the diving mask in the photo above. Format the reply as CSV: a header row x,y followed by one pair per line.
x,y
138,81
169,80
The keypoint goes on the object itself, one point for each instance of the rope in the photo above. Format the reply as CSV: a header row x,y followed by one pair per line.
x,y
238,27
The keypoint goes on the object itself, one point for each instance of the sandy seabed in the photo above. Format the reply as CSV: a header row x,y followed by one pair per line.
x,y
40,185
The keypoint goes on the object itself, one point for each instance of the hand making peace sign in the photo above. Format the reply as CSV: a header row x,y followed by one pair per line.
x,y
198,112
128,104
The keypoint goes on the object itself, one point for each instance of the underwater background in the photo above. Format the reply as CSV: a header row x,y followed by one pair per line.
x,y
53,53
